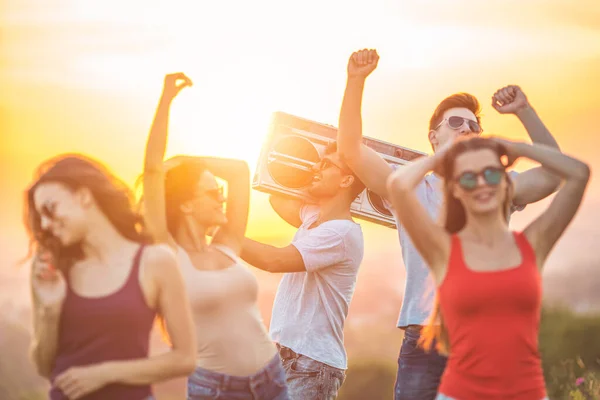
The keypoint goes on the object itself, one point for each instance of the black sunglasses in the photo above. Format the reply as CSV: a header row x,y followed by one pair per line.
x,y
215,194
327,163
48,210
491,175
455,122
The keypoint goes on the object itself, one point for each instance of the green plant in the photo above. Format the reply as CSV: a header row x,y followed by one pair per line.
x,y
571,380
369,379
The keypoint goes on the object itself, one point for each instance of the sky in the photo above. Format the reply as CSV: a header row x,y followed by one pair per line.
x,y
85,76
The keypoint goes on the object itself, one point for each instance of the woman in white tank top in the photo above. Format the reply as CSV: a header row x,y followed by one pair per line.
x,y
183,205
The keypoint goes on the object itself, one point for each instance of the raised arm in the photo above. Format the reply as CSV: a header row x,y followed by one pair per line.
x,y
370,168
287,208
544,231
237,175
155,216
430,239
160,264
48,290
537,183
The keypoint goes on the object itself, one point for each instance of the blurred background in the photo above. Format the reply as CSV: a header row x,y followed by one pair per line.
x,y
85,76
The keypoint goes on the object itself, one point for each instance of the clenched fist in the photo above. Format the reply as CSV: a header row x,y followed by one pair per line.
x,y
362,63
174,83
509,100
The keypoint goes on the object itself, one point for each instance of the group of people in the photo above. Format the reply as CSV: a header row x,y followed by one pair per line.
x,y
105,269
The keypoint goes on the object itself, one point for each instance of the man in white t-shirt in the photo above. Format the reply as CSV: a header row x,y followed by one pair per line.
x,y
419,372
320,268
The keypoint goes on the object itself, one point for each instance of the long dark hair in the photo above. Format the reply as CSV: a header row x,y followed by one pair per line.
x,y
181,182
455,219
180,186
113,197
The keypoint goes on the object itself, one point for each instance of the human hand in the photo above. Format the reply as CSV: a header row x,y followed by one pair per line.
x,y
509,100
48,283
362,63
174,83
511,149
77,382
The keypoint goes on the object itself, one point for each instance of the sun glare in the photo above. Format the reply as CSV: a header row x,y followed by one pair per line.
x,y
230,121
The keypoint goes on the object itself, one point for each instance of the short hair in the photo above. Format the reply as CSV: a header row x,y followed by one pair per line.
x,y
457,100
357,186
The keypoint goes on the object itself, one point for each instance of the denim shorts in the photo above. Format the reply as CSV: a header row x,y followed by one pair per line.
x,y
267,384
444,397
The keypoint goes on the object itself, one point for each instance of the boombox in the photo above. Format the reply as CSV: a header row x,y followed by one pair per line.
x,y
293,145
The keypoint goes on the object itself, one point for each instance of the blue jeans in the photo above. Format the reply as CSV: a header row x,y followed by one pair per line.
x,y
308,379
267,384
444,397
419,372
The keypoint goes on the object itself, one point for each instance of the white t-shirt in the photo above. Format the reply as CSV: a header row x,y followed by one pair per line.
x,y
310,307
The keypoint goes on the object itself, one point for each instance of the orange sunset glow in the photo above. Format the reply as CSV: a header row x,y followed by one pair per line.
x,y
85,76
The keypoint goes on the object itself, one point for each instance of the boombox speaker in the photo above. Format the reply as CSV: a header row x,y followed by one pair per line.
x,y
294,144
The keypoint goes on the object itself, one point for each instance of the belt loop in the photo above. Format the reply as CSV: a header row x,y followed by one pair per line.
x,y
225,382
270,370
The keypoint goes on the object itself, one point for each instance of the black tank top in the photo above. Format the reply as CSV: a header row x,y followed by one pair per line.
x,y
109,328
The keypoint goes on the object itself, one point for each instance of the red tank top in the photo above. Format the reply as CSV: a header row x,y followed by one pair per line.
x,y
493,321
109,328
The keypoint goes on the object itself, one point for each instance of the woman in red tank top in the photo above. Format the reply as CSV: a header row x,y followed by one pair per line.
x,y
488,278
97,285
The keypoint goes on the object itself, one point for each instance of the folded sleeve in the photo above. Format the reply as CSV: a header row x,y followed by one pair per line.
x,y
322,248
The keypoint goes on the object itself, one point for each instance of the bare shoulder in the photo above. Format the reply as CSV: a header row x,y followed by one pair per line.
x,y
159,259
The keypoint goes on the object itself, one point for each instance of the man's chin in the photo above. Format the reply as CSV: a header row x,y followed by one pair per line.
x,y
319,192
313,190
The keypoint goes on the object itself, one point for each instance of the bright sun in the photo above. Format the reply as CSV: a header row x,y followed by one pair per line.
x,y
222,116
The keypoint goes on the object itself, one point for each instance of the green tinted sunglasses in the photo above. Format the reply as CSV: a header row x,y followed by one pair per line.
x,y
469,180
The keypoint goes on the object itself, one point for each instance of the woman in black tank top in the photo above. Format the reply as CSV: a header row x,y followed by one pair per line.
x,y
97,285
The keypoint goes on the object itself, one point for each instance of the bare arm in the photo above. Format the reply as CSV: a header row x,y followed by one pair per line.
x,y
155,216
48,291
431,240
537,183
174,306
45,338
544,232
272,259
370,168
288,209
160,264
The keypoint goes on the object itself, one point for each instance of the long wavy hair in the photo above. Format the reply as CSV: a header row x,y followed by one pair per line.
x,y
455,219
112,196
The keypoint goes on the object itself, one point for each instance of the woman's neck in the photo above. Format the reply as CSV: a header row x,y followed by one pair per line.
x,y
486,229
191,236
103,240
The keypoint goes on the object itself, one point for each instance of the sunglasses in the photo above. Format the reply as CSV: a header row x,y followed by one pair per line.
x,y
469,180
48,210
455,122
215,194
326,163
